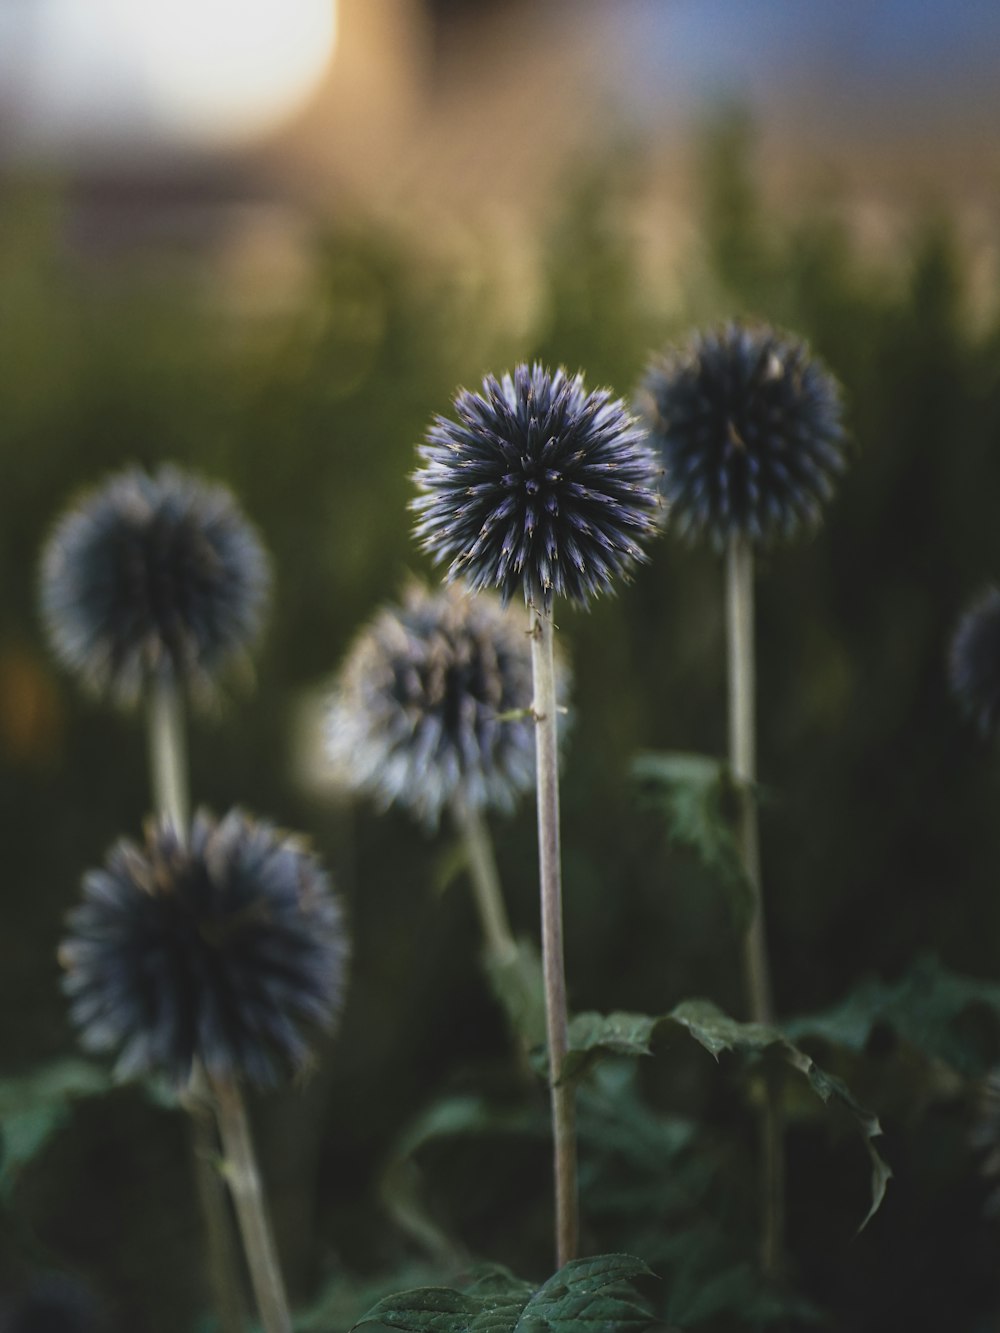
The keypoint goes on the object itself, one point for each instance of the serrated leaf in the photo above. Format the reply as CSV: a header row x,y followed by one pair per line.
x,y
35,1106
930,1008
346,1295
699,799
619,1033
584,1295
442,1310
588,1293
593,1034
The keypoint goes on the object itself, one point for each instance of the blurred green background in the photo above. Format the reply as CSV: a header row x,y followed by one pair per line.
x,y
880,835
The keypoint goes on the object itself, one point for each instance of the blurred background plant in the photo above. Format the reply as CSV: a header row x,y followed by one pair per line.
x,y
287,312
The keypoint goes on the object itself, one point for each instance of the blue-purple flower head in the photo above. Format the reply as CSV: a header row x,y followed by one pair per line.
x,y
227,952
537,487
152,576
748,425
432,702
974,661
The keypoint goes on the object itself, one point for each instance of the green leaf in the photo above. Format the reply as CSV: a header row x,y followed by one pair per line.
x,y
699,800
945,1015
593,1034
35,1106
584,1295
588,1292
347,1295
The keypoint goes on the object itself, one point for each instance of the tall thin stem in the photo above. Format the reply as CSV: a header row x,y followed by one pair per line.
x,y
169,780
556,1019
743,760
168,755
485,880
251,1212
227,1293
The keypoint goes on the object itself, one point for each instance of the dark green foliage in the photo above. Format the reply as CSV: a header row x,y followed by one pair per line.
x,y
942,1015
699,800
592,1034
585,1296
35,1106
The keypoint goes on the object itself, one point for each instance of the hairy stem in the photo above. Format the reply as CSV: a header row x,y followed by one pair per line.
x,y
168,775
743,760
251,1211
556,1020
485,880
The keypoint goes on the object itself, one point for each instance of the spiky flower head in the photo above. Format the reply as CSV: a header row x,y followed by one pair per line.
x,y
152,576
226,952
537,487
748,425
431,705
974,661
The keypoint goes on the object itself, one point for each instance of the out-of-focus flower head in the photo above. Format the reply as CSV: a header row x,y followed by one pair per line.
x,y
225,952
536,487
432,705
748,425
152,576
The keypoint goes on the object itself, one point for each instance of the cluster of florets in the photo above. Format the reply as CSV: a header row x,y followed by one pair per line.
x,y
538,488
224,951
152,576
433,704
748,427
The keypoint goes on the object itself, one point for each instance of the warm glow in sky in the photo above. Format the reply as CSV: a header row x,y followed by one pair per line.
x,y
201,70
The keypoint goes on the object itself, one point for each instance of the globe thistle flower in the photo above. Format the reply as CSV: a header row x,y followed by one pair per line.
x,y
538,487
420,713
974,661
224,952
152,576
748,426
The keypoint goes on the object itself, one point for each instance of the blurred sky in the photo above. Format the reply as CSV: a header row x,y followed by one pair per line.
x,y
842,57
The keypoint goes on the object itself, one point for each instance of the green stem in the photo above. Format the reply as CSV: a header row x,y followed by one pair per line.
x,y
251,1211
743,760
485,880
168,755
168,774
556,1018
227,1294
